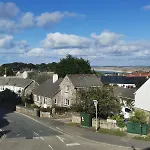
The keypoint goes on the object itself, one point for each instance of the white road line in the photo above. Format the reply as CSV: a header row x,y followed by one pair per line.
x,y
50,147
72,144
42,138
60,138
3,137
59,128
36,134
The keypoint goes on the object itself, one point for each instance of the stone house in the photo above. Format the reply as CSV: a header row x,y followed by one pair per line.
x,y
18,85
63,92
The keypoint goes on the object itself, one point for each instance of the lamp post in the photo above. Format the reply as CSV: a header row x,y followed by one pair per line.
x,y
95,103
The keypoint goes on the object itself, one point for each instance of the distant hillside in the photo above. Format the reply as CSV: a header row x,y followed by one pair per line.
x,y
19,66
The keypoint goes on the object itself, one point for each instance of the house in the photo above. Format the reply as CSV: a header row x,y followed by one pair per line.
x,y
124,81
63,92
142,97
126,97
17,85
47,93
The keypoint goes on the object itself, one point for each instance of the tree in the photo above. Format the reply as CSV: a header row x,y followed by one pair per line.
x,y
72,65
107,102
2,71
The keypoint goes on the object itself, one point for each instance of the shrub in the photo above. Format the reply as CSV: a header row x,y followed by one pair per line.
x,y
48,109
34,106
120,121
139,117
61,110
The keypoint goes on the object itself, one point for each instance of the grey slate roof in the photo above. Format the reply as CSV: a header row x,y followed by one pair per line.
x,y
85,80
48,88
19,82
124,92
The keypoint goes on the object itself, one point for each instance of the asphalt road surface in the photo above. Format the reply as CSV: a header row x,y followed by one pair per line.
x,y
22,133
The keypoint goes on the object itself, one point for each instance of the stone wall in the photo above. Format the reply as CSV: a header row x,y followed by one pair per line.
x,y
76,119
45,114
106,124
26,111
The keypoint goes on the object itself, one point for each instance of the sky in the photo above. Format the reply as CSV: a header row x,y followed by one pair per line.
x,y
105,32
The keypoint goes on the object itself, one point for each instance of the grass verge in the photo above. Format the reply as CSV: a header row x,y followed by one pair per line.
x,y
143,138
112,132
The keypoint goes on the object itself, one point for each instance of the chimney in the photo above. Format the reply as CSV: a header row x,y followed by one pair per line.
x,y
55,77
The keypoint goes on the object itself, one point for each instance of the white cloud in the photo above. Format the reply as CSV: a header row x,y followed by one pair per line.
x,y
6,41
27,20
13,19
107,38
58,40
35,52
47,19
8,10
146,7
7,26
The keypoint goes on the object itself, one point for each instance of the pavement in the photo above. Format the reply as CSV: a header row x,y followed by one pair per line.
x,y
21,132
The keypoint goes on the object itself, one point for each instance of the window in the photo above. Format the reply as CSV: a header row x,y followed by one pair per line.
x,y
67,88
67,102
55,101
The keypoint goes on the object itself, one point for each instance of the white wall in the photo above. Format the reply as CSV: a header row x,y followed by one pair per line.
x,y
142,96
12,88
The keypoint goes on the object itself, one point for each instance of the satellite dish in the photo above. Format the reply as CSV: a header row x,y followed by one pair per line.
x,y
25,75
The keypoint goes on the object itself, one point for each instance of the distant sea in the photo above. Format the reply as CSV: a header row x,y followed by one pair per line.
x,y
113,72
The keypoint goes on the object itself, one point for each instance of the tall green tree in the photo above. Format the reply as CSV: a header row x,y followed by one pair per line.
x,y
107,102
72,65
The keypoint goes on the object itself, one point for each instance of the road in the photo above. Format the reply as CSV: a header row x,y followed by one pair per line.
x,y
23,133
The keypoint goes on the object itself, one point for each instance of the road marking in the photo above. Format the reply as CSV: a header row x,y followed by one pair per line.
x,y
60,138
72,144
3,137
50,147
59,128
42,138
18,134
36,134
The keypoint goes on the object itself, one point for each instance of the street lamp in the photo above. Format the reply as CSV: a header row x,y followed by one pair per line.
x,y
95,103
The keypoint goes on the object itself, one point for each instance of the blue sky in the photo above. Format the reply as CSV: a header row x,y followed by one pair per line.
x,y
104,32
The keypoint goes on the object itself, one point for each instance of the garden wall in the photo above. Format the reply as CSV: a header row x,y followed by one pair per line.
x,y
25,110
106,124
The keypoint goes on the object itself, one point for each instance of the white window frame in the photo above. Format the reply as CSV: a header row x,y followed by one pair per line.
x,y
55,101
67,89
66,102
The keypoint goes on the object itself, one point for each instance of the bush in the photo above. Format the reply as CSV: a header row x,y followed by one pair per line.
x,y
48,109
139,117
119,119
34,106
61,110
